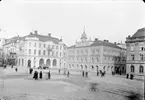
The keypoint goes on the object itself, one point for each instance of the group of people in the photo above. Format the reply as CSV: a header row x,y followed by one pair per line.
x,y
35,76
85,74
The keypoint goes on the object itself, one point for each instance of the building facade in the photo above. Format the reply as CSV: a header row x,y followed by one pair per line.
x,y
136,53
36,50
96,55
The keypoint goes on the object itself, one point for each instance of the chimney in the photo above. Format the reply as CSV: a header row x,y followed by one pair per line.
x,y
36,32
31,33
49,34
96,39
105,40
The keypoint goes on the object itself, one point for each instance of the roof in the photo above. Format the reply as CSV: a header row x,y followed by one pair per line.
x,y
99,43
42,38
139,33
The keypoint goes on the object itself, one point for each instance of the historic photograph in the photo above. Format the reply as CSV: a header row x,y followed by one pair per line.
x,y
72,49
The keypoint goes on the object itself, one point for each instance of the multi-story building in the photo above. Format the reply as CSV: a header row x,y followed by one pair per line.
x,y
96,55
36,50
136,52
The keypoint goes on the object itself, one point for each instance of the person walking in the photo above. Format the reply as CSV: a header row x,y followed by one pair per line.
x,y
59,71
49,75
16,69
86,74
83,73
36,78
40,75
68,74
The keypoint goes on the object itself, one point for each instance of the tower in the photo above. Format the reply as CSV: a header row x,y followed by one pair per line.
x,y
84,36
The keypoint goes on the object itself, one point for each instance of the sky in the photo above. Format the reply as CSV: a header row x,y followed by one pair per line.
x,y
112,20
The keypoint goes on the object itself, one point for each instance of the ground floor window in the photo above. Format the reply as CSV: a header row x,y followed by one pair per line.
x,y
141,69
132,68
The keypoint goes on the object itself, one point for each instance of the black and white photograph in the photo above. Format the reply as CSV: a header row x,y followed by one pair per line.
x,y
72,49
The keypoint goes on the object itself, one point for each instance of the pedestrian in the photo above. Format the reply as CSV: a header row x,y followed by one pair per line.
x,y
83,73
36,78
49,75
97,73
34,75
16,69
127,76
40,75
59,71
86,74
68,74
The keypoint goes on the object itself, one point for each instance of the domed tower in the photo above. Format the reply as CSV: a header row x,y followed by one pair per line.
x,y
84,36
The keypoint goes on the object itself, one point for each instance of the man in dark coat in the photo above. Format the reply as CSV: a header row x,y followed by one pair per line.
x,y
83,73
49,75
68,74
40,75
86,74
36,75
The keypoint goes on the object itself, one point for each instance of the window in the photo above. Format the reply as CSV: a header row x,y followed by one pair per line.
x,y
44,45
29,51
141,56
142,48
39,52
44,52
39,45
35,52
29,43
141,69
132,68
60,54
34,44
132,57
56,47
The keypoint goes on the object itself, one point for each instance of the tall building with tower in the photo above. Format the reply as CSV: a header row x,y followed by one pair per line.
x,y
95,55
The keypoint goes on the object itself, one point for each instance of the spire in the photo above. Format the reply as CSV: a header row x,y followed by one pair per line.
x,y
84,36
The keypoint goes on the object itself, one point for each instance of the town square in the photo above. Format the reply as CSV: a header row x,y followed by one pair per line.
x,y
72,50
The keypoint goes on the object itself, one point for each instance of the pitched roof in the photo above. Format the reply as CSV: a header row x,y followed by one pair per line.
x,y
42,38
99,43
139,33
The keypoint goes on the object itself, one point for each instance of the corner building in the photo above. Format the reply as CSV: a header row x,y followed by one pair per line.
x,y
36,50
96,55
136,53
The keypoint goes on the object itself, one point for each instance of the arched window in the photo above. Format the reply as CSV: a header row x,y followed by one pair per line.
x,y
141,69
22,62
104,67
108,68
69,65
41,62
54,62
132,68
48,62
81,66
86,66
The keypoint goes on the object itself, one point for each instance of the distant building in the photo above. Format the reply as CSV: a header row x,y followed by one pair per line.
x,y
136,52
36,50
96,55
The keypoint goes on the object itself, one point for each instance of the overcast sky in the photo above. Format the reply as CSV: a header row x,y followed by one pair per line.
x,y
112,20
